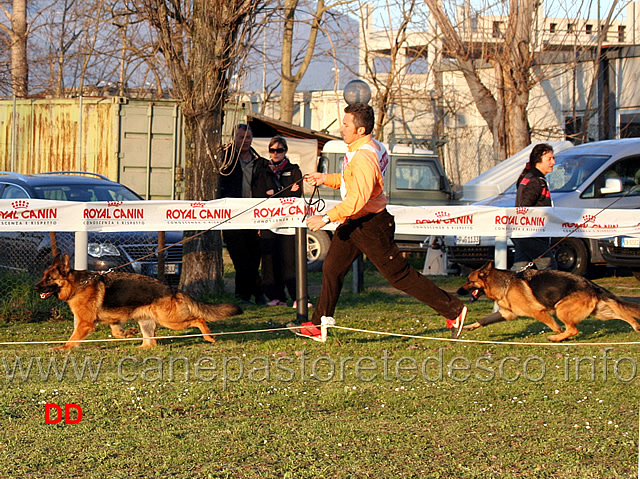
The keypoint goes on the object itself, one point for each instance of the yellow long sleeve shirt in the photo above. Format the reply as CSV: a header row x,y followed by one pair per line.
x,y
364,184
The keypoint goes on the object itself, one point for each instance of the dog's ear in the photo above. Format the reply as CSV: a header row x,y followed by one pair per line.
x,y
65,264
488,266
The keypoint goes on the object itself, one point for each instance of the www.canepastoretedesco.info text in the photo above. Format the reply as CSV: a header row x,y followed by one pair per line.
x,y
303,367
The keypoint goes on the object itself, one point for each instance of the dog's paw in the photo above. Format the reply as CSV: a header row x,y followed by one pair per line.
x,y
556,338
61,349
131,333
471,327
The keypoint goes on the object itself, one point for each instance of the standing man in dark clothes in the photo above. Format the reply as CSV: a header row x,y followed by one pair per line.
x,y
243,176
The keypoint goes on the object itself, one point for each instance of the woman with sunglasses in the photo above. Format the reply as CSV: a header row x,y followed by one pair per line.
x,y
278,251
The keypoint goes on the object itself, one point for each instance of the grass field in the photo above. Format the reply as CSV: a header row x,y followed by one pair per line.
x,y
270,405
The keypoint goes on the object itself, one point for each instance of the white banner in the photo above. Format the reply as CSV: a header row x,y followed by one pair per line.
x,y
254,213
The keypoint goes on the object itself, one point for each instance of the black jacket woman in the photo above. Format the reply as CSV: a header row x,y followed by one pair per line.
x,y
278,250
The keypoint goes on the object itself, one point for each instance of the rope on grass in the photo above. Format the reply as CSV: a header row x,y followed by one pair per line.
x,y
107,340
479,341
367,331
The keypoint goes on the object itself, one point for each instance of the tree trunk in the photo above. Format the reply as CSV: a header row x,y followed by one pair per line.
x,y
202,266
290,81
503,107
288,91
19,66
202,41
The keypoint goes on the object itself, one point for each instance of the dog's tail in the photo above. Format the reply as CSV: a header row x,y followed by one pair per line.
x,y
616,308
209,312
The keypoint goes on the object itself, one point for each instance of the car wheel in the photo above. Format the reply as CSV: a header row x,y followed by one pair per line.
x,y
317,246
572,256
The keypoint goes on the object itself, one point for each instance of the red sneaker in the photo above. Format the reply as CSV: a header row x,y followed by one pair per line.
x,y
307,330
455,325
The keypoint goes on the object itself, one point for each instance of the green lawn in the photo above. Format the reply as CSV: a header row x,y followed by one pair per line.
x,y
270,405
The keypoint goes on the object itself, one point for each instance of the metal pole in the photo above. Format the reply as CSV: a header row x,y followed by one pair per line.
x,y
80,250
14,129
302,290
500,254
357,269
174,152
79,163
149,141
500,257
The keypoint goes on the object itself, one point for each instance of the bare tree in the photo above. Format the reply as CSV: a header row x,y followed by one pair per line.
x,y
291,80
392,61
504,106
17,33
202,41
289,60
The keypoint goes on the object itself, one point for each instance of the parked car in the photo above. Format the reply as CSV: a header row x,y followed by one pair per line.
x,y
31,251
622,251
593,175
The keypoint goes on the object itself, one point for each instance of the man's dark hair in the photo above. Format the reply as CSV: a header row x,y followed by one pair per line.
x,y
362,116
241,126
537,152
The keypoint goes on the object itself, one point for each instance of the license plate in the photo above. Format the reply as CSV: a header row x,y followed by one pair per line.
x,y
169,268
630,242
471,240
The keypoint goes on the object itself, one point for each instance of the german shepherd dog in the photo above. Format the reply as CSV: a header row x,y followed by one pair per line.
x,y
116,298
539,294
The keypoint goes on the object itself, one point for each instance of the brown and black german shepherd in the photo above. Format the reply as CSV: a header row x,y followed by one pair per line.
x,y
116,298
539,294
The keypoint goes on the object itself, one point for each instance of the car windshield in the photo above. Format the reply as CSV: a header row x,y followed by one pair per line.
x,y
570,171
83,192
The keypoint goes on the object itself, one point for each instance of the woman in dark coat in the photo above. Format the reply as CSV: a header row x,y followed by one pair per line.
x,y
278,251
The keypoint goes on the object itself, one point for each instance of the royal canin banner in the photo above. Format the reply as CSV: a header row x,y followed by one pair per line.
x,y
282,214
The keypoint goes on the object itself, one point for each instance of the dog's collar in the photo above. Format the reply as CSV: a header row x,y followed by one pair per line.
x,y
91,277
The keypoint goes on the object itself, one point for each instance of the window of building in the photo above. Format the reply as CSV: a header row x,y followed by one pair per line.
x,y
621,33
573,129
552,27
570,27
589,29
630,125
497,29
417,61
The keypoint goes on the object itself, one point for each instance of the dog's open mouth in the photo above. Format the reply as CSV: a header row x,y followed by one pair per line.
x,y
475,294
46,295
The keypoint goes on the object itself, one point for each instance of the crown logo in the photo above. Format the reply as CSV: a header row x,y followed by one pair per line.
x,y
197,204
442,214
289,200
521,211
114,203
589,218
20,204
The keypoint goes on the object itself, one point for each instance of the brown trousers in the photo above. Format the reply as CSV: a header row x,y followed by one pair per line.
x,y
373,236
